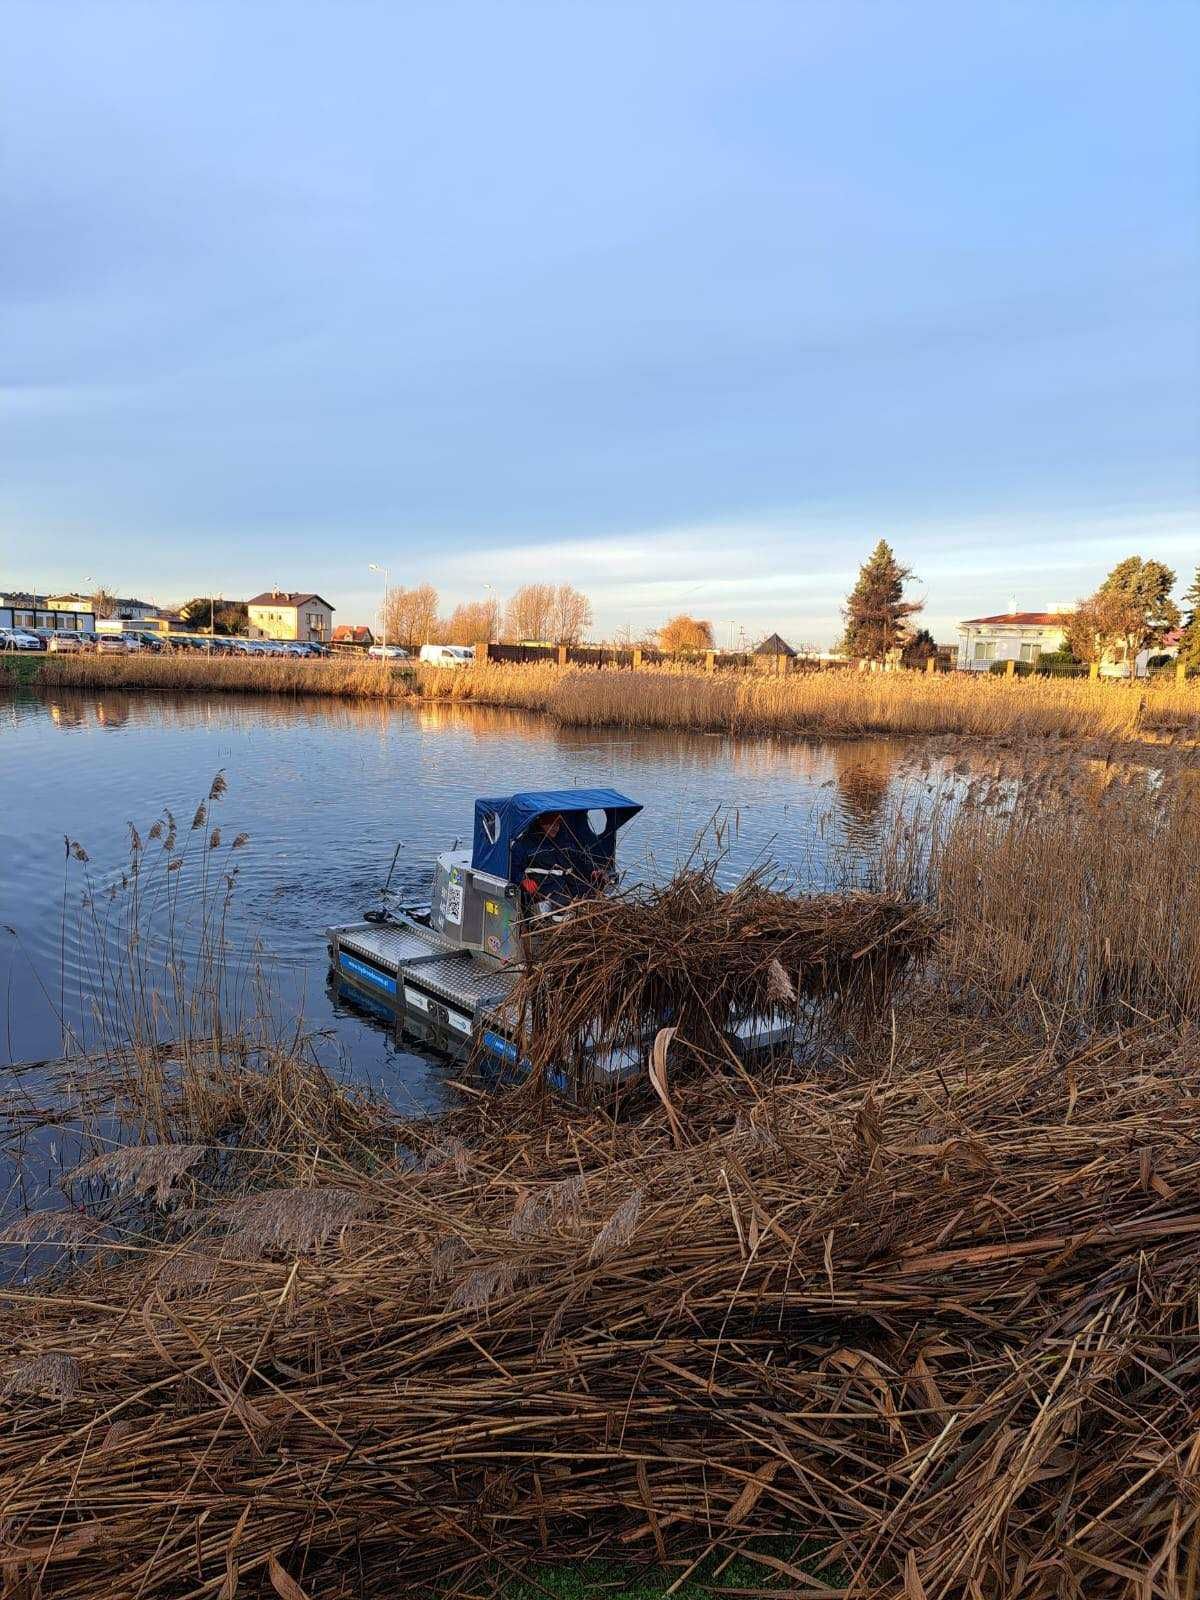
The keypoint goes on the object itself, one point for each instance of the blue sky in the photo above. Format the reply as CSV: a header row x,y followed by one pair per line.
x,y
685,303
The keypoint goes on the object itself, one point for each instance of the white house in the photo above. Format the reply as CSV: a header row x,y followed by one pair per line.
x,y
1010,636
1114,664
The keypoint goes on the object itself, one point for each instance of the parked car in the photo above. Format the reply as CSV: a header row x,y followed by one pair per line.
x,y
110,644
64,644
447,655
387,652
18,639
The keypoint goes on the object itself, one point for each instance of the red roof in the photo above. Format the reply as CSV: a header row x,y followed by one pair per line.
x,y
284,597
1024,619
346,632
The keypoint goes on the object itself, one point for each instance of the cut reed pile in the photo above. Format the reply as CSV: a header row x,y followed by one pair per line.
x,y
615,968
945,1324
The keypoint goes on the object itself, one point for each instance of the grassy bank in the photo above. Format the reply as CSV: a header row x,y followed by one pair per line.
x,y
17,669
829,704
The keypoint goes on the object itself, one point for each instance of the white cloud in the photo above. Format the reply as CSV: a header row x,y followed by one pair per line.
x,y
792,573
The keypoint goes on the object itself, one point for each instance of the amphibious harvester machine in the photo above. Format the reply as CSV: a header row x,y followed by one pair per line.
x,y
446,969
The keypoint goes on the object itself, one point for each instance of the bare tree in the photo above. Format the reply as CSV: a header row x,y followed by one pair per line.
x,y
683,633
627,637
472,622
104,602
412,615
530,613
571,615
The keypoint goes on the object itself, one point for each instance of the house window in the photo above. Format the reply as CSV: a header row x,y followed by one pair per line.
x,y
1030,652
985,650
23,619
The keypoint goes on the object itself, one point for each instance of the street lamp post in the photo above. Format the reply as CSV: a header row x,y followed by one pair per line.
x,y
372,567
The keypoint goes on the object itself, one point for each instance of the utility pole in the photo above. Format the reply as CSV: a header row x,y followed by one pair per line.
x,y
372,567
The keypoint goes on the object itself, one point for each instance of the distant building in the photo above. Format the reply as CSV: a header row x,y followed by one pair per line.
x,y
1114,665
773,645
1011,636
127,609
19,609
351,636
284,614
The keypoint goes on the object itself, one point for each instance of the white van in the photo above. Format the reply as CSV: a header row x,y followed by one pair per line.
x,y
448,655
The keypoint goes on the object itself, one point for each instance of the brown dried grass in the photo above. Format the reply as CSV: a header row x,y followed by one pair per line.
x,y
613,968
942,1322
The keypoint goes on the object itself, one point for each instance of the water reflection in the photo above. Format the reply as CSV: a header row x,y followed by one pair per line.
x,y
865,775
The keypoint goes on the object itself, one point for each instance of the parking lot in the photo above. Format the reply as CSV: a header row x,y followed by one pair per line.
x,y
133,640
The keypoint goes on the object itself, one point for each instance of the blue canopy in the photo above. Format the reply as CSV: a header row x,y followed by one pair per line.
x,y
590,819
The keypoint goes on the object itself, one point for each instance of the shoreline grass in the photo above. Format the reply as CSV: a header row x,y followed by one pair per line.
x,y
821,705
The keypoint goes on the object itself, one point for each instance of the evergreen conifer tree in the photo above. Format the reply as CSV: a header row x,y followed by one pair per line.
x,y
876,611
1189,645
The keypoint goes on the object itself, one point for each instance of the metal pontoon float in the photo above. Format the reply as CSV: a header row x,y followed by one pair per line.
x,y
445,970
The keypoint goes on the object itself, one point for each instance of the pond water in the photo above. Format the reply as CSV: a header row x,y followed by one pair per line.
x,y
325,792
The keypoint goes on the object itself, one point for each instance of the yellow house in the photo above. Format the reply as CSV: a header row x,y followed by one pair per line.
x,y
281,614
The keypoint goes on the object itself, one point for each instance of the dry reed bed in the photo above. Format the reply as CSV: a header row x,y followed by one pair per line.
x,y
1085,898
822,704
943,1324
285,675
832,704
